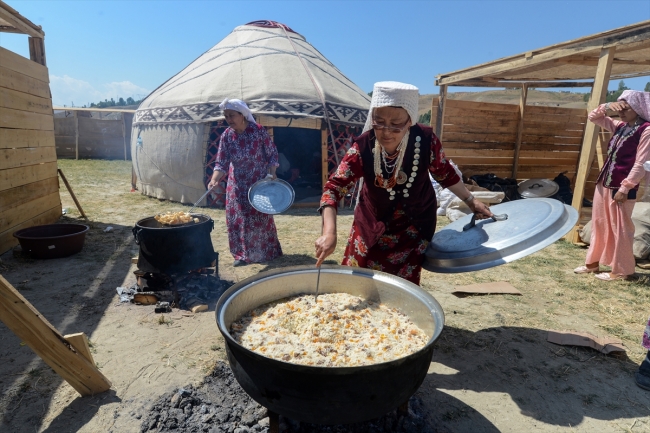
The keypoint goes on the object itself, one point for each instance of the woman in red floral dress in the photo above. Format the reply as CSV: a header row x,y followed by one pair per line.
x,y
247,154
395,217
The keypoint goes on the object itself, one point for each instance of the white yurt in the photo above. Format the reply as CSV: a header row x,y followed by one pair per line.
x,y
308,106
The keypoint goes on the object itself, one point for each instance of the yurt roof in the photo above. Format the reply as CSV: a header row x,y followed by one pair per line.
x,y
267,65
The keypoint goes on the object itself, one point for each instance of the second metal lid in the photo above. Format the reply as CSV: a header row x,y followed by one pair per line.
x,y
530,226
536,188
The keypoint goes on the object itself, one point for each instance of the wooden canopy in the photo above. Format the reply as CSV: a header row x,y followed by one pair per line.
x,y
590,61
560,65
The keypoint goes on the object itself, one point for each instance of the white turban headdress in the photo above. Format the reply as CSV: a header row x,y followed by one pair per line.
x,y
639,101
394,94
239,106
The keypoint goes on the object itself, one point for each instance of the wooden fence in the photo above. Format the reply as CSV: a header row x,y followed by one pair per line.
x,y
29,187
480,138
83,134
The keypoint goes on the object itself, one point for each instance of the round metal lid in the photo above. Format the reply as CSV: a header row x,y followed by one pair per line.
x,y
535,188
530,226
271,196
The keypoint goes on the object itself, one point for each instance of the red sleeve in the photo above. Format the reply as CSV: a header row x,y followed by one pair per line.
x,y
441,170
342,180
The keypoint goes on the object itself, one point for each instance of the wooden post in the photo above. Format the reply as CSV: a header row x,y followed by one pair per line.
x,y
587,151
520,128
79,342
37,50
74,197
76,134
32,328
324,160
124,134
441,111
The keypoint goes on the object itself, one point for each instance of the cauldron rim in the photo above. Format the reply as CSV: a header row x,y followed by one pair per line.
x,y
229,294
208,218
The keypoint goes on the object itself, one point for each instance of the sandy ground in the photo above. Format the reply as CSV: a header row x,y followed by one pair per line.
x,y
491,371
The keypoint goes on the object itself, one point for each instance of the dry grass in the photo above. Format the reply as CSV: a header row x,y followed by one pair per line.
x,y
553,296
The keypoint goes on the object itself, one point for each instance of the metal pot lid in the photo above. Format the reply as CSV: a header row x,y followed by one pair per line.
x,y
530,226
535,188
271,196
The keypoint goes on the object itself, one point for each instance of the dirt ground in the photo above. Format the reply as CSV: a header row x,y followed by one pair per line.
x,y
492,368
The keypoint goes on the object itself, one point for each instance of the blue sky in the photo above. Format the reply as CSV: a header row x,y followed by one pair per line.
x,y
102,49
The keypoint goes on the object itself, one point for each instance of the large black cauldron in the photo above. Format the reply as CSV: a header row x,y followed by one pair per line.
x,y
322,395
174,249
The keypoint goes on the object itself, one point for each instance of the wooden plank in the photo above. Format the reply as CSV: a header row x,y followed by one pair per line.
x,y
24,101
481,136
550,138
293,122
15,177
481,128
13,216
37,50
520,128
92,126
7,239
509,161
472,105
15,138
490,114
486,122
25,120
33,329
598,94
555,126
18,21
541,109
492,153
11,158
440,112
478,145
552,118
23,83
17,63
530,130
79,343
25,193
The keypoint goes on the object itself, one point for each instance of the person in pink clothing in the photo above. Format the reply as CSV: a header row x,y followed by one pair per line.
x,y
612,232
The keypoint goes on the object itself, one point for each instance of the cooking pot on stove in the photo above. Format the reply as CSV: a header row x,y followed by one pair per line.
x,y
329,395
174,249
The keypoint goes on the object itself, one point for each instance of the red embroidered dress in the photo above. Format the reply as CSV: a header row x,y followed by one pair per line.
x,y
246,157
392,235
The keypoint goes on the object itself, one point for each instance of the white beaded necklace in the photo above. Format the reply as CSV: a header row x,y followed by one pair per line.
x,y
379,156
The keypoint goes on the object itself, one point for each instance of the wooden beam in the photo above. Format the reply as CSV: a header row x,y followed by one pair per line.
x,y
442,96
598,94
76,135
79,343
35,331
324,160
18,21
74,197
516,84
520,129
37,50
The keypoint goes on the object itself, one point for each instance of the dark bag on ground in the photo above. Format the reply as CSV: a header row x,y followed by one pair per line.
x,y
493,183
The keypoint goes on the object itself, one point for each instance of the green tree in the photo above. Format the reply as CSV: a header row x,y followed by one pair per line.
x,y
647,87
121,102
613,96
425,118
130,101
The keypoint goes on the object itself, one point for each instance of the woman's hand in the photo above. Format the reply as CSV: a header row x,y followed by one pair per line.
x,y
325,246
618,106
480,209
216,177
620,197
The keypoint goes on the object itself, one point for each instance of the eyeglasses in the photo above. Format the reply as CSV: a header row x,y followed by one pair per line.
x,y
394,129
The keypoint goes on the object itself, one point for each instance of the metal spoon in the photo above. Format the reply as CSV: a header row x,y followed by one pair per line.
x,y
317,283
199,200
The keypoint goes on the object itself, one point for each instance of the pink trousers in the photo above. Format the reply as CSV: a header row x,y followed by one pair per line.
x,y
612,233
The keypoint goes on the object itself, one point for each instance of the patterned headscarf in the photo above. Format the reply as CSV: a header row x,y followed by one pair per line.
x,y
393,94
639,101
239,106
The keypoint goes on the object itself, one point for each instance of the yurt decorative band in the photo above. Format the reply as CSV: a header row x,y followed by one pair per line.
x,y
208,112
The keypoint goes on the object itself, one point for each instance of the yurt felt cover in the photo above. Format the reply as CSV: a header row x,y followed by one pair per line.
x,y
256,63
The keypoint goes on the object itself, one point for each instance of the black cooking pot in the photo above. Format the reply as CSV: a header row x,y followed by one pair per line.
x,y
174,249
329,395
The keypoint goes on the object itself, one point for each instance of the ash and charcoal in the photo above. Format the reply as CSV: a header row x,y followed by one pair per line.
x,y
180,291
220,405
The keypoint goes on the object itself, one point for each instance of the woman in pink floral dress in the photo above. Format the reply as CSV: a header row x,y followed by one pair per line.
x,y
247,154
395,217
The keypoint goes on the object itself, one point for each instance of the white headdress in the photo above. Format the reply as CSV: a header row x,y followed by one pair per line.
x,y
394,94
239,106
